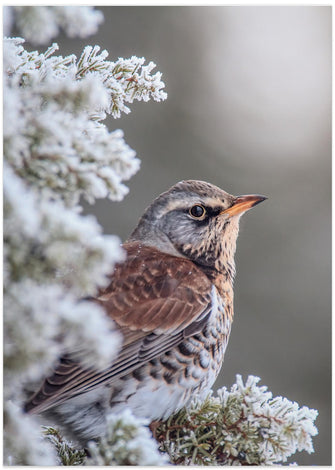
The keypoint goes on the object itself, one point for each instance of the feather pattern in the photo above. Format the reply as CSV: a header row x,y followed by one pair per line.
x,y
155,306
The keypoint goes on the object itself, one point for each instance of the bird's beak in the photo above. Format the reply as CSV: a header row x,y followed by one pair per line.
x,y
243,204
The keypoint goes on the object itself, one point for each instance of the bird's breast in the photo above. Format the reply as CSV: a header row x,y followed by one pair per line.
x,y
188,370
195,363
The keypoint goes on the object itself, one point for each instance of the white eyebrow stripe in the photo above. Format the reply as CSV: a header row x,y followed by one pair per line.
x,y
182,204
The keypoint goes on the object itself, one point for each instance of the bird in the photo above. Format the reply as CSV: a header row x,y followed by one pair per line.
x,y
172,301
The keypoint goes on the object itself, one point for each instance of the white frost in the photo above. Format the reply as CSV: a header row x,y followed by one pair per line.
x,y
128,441
57,151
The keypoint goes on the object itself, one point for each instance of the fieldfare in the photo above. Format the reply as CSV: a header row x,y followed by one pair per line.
x,y
172,300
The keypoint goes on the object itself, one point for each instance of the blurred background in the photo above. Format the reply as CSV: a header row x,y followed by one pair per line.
x,y
248,109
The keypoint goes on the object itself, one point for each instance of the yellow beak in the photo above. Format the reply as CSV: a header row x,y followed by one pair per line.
x,y
243,204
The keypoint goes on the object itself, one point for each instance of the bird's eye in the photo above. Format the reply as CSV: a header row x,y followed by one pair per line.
x,y
197,212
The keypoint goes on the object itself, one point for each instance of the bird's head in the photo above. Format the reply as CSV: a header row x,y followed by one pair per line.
x,y
196,220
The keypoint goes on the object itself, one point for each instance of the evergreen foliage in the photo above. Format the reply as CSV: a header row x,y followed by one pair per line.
x,y
243,426
57,151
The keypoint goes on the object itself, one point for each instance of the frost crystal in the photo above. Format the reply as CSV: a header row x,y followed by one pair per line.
x,y
55,105
243,426
128,441
68,454
46,241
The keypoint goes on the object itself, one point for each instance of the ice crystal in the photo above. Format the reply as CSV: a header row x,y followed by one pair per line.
x,y
128,441
56,105
67,453
48,314
46,241
241,426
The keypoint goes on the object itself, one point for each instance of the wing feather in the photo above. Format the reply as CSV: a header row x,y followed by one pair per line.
x,y
156,300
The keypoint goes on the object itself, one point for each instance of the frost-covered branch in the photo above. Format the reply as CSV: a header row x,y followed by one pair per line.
x,y
66,451
243,426
56,105
57,150
128,441
23,441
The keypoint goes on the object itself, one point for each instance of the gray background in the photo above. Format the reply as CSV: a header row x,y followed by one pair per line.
x,y
249,109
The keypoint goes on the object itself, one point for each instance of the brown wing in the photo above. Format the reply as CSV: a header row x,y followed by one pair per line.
x,y
156,301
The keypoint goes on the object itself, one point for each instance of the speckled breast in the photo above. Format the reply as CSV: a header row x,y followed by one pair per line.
x,y
169,382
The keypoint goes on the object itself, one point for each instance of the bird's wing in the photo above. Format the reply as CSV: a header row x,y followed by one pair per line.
x,y
156,300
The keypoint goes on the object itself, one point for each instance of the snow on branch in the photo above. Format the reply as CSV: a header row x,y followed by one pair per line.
x,y
53,135
58,151
128,441
243,426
